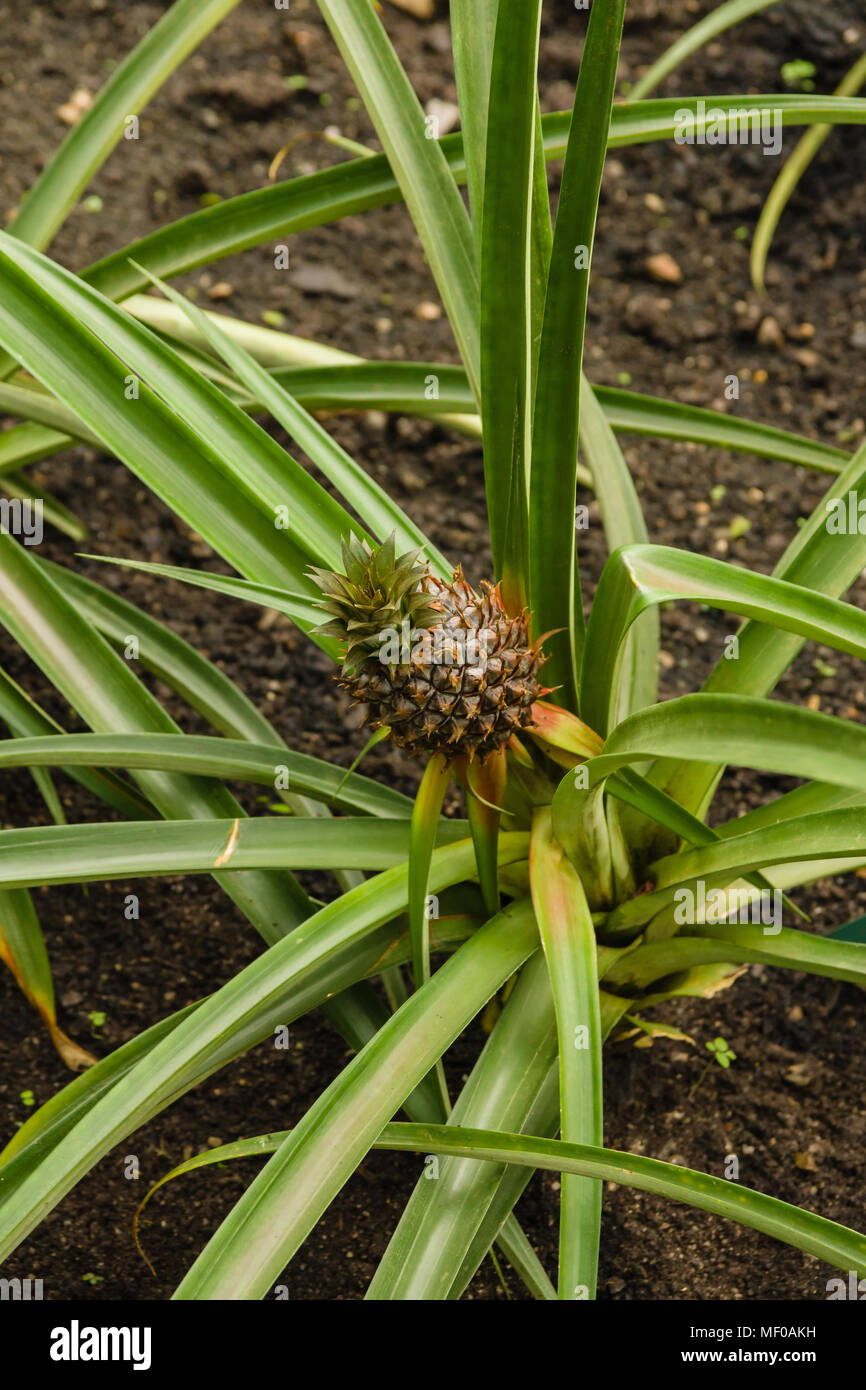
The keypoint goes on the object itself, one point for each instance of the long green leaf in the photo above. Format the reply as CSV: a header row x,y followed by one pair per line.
x,y
638,577
816,559
827,1240
342,943
84,853
360,492
104,690
237,447
506,306
426,1252
128,89
201,755
568,937
624,524
790,175
552,480
279,1209
716,22
419,166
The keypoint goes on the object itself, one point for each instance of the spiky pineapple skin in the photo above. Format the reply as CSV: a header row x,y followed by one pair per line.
x,y
453,705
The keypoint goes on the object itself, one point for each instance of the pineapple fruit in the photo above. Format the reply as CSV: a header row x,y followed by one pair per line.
x,y
446,669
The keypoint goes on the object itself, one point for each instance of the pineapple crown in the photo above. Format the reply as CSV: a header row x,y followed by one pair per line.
x,y
378,591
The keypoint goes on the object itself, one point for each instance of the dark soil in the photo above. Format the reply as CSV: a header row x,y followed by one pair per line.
x,y
791,1107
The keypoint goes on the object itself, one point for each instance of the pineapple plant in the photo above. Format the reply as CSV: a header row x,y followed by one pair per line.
x,y
441,668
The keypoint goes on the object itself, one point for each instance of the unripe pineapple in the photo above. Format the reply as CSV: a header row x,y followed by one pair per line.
x,y
446,669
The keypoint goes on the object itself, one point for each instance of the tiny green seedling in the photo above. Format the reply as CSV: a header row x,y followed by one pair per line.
x,y
799,73
720,1051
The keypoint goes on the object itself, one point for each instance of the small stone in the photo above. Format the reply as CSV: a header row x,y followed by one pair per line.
x,y
795,1014
655,203
428,311
72,110
769,333
446,115
419,9
221,290
663,267
806,1162
802,1073
666,660
324,279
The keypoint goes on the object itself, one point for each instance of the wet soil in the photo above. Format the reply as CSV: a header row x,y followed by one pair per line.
x,y
791,1106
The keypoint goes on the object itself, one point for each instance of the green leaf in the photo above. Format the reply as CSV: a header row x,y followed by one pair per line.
x,y
568,937
554,584
506,308
24,717
816,559
484,787
104,690
342,943
751,732
419,165
426,1253
638,577
836,835
636,123
84,853
473,27
202,755
790,175
624,524
129,88
739,943
360,492
311,522
426,821
716,22
632,413
301,609
284,1202
826,1240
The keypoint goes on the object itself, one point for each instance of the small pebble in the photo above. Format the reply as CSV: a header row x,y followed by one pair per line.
x,y
769,333
72,110
663,267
